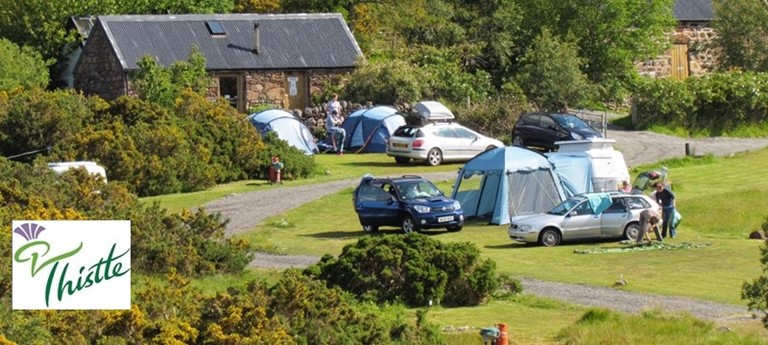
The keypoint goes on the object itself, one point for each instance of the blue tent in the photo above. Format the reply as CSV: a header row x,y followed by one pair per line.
x,y
507,182
369,129
575,172
287,128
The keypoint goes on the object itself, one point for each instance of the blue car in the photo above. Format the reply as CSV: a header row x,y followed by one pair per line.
x,y
409,202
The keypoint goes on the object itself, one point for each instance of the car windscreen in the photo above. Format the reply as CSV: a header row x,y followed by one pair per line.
x,y
564,207
570,121
418,190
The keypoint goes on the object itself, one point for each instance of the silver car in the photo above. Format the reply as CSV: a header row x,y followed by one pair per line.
x,y
438,142
575,219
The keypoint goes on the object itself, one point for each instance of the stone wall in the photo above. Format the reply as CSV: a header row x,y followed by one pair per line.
x,y
268,87
99,71
701,57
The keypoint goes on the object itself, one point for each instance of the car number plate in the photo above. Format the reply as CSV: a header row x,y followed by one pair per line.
x,y
399,145
444,219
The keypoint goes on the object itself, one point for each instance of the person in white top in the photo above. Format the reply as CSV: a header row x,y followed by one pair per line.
x,y
333,104
333,122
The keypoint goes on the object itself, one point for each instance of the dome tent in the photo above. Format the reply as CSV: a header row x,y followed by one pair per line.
x,y
287,127
369,129
507,182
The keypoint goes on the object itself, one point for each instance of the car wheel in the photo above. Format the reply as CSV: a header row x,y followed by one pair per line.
x,y
549,238
402,160
409,225
370,228
517,140
631,231
434,157
455,228
490,148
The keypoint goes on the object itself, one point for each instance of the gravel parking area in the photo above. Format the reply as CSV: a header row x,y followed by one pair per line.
x,y
250,209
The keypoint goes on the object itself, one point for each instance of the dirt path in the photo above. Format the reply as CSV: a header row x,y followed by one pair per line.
x,y
247,210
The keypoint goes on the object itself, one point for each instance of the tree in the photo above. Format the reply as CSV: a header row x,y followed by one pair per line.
x,y
550,73
742,34
164,86
257,6
21,67
611,35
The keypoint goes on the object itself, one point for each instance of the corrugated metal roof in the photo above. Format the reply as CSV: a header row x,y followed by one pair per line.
x,y
286,41
694,10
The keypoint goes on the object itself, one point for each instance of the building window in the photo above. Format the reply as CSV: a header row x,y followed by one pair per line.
x,y
215,28
228,89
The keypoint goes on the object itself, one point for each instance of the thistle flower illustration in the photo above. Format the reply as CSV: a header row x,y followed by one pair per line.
x,y
29,231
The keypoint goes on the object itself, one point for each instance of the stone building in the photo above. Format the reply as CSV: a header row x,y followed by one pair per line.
x,y
254,59
691,53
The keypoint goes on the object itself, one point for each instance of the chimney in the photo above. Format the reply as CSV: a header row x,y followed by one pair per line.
x,y
255,49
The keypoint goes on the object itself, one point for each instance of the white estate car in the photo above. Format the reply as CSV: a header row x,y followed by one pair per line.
x,y
438,142
574,218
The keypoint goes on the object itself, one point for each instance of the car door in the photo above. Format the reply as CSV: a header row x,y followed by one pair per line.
x,y
467,144
581,222
614,218
531,130
449,143
376,205
550,132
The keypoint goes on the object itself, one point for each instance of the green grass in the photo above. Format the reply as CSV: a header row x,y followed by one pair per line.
x,y
651,327
334,168
722,200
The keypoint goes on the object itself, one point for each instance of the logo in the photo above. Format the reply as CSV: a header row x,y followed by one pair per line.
x,y
71,264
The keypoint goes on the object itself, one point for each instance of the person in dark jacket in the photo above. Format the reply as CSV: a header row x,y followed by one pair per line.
x,y
666,199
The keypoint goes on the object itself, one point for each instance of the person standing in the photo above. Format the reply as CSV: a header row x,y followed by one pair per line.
x,y
648,219
666,199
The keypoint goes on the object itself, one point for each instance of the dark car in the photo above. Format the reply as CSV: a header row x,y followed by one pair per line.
x,y
544,129
409,202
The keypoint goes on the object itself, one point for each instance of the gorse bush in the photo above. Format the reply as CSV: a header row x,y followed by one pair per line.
x,y
153,149
296,310
413,269
189,243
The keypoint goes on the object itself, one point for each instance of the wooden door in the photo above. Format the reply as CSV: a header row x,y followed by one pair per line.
x,y
679,61
296,90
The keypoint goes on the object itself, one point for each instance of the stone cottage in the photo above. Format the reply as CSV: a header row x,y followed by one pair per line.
x,y
254,59
691,53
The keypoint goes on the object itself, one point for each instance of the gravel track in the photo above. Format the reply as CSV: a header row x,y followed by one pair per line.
x,y
247,210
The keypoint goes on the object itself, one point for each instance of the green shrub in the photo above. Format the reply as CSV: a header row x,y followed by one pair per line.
x,y
188,243
496,116
323,315
21,67
388,82
37,119
297,163
413,269
715,104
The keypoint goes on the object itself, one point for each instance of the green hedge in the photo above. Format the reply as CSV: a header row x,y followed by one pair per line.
x,y
715,104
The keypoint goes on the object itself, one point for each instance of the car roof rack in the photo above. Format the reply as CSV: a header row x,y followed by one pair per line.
x,y
433,111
